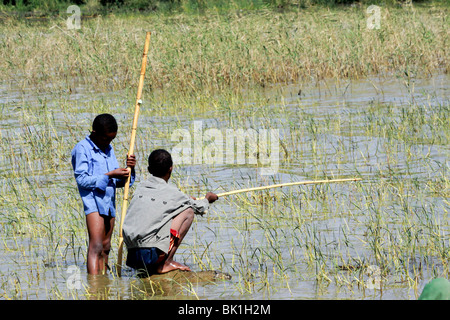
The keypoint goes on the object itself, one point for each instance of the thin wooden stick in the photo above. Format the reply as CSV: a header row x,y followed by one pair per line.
x,y
131,151
288,184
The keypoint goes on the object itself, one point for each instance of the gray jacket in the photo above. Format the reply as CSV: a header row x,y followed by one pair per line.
x,y
155,203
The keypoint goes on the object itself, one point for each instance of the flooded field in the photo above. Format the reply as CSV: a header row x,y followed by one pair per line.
x,y
384,237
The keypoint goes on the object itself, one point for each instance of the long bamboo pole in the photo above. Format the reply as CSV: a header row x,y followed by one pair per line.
x,y
288,184
131,150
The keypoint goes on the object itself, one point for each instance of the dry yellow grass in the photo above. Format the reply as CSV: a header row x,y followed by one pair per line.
x,y
210,52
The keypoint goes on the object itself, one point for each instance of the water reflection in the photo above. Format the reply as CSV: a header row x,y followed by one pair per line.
x,y
327,130
175,284
99,287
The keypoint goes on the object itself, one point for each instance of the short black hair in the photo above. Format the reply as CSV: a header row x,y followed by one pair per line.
x,y
104,123
159,162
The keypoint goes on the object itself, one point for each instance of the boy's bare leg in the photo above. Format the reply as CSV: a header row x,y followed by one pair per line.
x,y
109,226
180,223
100,231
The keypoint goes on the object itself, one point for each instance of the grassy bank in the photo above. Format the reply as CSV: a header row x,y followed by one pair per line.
x,y
213,51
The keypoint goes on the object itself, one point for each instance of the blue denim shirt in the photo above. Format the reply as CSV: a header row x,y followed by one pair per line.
x,y
97,190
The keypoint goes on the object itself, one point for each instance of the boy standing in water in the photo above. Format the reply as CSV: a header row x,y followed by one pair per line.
x,y
97,174
158,218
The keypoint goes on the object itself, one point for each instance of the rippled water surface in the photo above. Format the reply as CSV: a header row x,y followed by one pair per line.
x,y
381,238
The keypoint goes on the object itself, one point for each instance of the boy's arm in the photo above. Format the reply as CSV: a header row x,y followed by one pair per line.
x,y
80,164
120,183
201,206
131,162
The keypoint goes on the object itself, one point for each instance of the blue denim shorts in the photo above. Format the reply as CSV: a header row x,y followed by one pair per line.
x,y
144,259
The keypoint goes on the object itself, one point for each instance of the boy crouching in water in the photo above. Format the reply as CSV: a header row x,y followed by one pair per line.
x,y
158,218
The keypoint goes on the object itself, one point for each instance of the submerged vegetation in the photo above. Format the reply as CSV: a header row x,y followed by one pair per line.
x,y
347,101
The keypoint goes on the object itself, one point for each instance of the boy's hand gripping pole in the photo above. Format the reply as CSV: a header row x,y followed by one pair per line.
x,y
131,151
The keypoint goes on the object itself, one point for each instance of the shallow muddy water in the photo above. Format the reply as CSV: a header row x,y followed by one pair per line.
x,y
382,238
